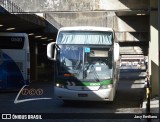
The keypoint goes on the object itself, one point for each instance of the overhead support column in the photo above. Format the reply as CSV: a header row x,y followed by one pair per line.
x,y
153,49
159,39
33,60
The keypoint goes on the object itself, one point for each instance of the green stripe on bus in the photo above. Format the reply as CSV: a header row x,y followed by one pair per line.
x,y
87,83
104,82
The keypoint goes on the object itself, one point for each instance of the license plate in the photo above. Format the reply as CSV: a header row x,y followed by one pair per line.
x,y
82,95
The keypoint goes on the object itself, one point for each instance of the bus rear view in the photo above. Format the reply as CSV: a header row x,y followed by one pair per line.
x,y
87,63
14,60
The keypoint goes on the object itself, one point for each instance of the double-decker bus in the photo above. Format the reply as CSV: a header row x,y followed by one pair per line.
x,y
14,61
86,63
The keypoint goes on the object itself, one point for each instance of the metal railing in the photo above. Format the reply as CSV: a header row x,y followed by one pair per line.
x,y
10,6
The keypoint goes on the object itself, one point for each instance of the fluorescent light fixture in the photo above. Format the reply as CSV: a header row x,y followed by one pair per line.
x,y
38,36
50,39
30,34
1,25
141,14
10,28
44,38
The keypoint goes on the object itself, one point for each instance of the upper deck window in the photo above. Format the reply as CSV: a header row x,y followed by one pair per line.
x,y
85,37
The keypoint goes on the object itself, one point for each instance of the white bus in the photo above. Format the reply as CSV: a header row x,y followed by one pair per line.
x,y
86,63
14,60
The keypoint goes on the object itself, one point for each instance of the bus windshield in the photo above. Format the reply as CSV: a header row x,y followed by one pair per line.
x,y
85,62
85,37
12,42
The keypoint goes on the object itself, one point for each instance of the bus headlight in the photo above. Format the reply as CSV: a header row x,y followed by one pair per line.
x,y
106,86
59,85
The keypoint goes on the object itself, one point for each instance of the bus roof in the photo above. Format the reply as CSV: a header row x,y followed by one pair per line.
x,y
13,34
85,28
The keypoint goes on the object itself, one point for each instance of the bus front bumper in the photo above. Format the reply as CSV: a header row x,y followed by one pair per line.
x,y
97,95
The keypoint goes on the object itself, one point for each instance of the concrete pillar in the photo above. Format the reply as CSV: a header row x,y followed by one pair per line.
x,y
36,57
159,37
153,52
33,60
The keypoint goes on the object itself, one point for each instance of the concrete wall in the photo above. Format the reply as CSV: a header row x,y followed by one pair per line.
x,y
123,36
123,4
102,19
109,19
79,5
154,54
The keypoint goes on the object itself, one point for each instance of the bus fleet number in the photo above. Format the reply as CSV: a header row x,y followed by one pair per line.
x,y
16,39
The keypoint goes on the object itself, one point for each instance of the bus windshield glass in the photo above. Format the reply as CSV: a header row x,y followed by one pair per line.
x,y
85,37
85,62
12,42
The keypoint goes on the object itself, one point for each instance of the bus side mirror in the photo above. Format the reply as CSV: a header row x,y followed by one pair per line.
x,y
51,51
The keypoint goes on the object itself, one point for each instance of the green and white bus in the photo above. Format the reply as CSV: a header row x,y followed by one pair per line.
x,y
86,63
